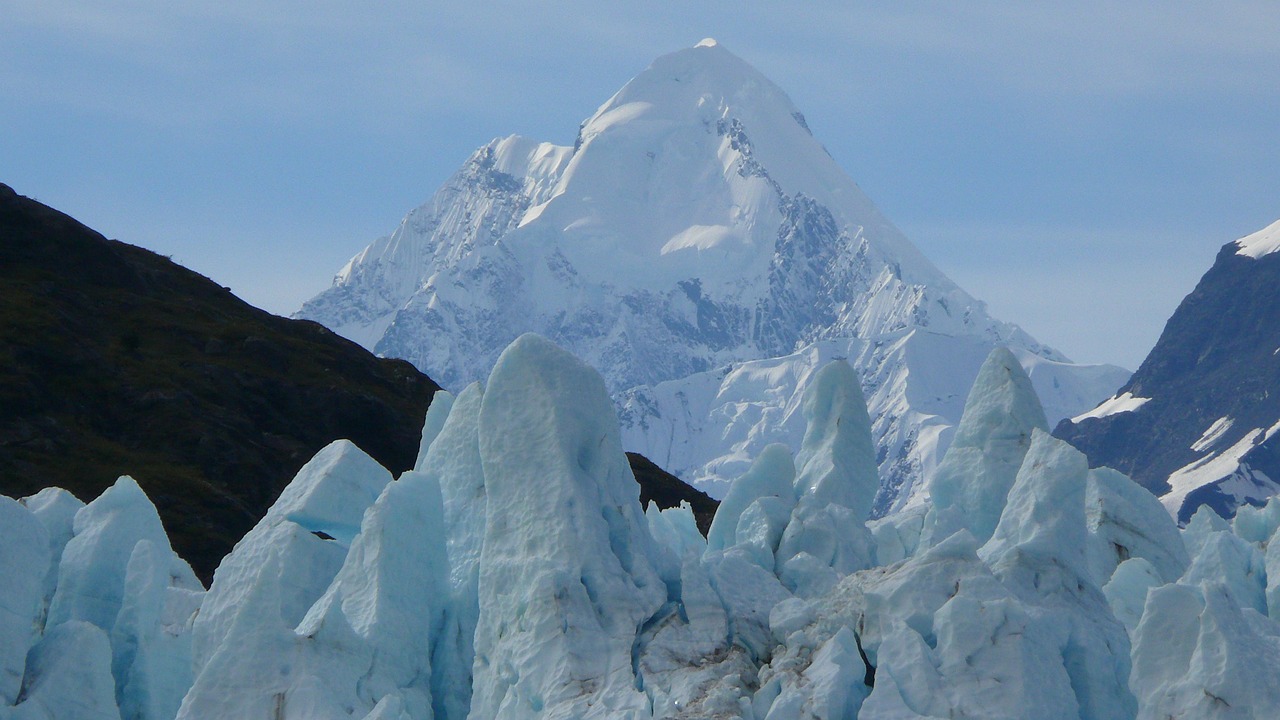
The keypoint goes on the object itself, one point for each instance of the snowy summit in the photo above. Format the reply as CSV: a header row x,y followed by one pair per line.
x,y
695,227
1263,242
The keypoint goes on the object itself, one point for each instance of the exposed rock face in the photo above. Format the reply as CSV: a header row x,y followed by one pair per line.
x,y
1197,422
120,361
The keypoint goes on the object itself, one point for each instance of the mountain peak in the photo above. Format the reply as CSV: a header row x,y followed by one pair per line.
x,y
707,43
695,223
1263,242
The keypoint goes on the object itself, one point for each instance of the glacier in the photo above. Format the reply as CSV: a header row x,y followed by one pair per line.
x,y
699,248
514,574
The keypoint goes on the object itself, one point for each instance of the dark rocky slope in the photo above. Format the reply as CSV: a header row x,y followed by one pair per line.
x,y
667,490
1218,357
118,361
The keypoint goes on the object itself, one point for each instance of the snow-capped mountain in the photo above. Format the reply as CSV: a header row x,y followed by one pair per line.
x,y
695,225
1197,423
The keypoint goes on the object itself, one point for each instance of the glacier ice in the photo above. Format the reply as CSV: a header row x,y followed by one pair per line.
x,y
1199,654
970,486
68,677
453,462
91,574
566,572
836,483
437,415
1038,548
56,509
297,548
514,574
677,529
24,561
1232,564
1126,591
373,632
771,476
836,462
1126,521
151,638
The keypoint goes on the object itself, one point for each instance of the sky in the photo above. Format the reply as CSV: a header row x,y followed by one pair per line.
x,y
1075,165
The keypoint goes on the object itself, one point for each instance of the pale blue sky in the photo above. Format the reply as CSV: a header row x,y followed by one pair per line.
x,y
1075,165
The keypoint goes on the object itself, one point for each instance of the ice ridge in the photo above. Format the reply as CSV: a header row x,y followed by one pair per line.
x,y
513,574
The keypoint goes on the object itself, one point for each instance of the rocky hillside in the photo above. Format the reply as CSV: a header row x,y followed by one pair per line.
x,y
118,361
1197,421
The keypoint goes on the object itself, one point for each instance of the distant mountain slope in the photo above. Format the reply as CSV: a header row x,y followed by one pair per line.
x,y
118,361
696,224
1197,423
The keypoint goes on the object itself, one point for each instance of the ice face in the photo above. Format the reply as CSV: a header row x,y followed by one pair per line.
x,y
1126,591
1198,654
24,562
437,414
151,638
972,483
771,475
566,578
1233,565
56,509
835,485
1204,523
837,460
92,573
515,576
373,631
1038,550
1126,521
453,461
69,676
297,547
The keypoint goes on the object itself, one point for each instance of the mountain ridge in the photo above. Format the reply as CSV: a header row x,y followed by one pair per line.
x,y
695,225
1196,422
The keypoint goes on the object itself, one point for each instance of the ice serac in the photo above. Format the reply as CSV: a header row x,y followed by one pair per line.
x,y
771,476
453,461
837,461
437,414
1198,654
566,577
836,482
115,571
297,548
151,638
24,561
1233,565
1038,550
1126,521
972,483
68,677
1126,591
372,633
91,576
941,637
56,509
695,225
